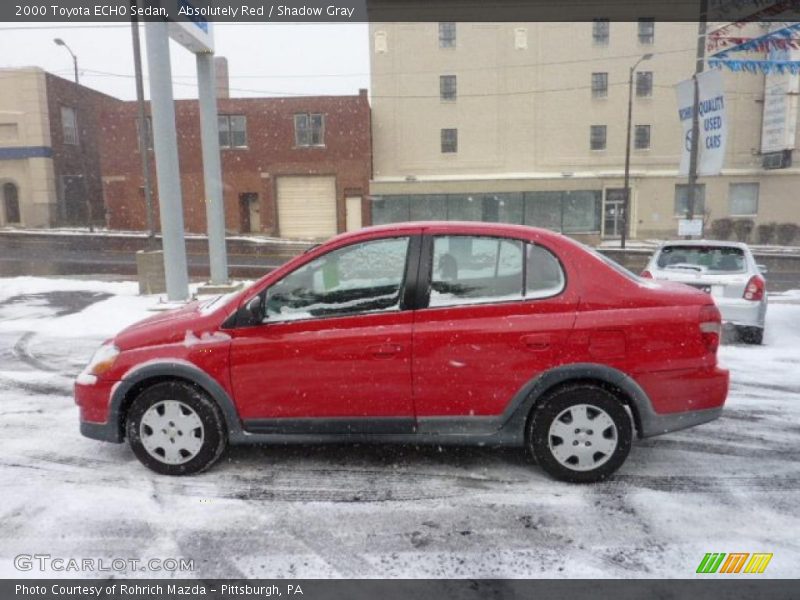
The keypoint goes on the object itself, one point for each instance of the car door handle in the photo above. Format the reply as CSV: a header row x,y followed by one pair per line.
x,y
384,350
536,341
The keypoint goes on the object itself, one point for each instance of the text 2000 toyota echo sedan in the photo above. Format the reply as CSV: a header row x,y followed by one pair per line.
x,y
436,333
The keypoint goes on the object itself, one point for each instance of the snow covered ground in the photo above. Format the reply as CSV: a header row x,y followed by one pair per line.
x,y
370,511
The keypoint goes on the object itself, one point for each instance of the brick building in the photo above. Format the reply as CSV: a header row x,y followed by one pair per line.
x,y
292,167
49,150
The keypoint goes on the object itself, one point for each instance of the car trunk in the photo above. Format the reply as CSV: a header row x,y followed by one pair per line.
x,y
719,285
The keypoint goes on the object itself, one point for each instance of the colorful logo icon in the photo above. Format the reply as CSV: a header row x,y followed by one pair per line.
x,y
736,562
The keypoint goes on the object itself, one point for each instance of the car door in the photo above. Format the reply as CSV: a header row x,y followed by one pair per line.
x,y
498,313
332,353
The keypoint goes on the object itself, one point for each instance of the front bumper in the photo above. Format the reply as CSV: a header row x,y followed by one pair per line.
x,y
96,419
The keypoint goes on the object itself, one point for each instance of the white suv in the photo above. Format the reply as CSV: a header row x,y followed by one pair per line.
x,y
727,271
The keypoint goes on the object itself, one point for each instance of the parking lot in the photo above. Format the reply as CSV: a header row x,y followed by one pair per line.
x,y
376,511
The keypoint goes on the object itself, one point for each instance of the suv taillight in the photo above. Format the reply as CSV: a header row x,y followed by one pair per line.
x,y
710,326
646,274
754,290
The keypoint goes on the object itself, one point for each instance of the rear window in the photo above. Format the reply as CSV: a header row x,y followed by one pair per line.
x,y
719,259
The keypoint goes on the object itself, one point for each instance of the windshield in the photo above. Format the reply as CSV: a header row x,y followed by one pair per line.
x,y
723,259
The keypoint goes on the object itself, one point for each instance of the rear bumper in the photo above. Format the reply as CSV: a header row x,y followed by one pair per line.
x,y
738,311
671,392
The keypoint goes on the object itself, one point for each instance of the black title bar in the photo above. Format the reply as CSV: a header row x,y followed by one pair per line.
x,y
343,11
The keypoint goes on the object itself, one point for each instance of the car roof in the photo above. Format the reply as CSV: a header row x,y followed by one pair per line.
x,y
712,243
454,227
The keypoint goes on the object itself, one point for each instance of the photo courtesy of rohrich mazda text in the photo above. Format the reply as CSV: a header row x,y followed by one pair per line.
x,y
386,298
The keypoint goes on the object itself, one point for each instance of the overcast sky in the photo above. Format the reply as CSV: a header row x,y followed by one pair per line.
x,y
264,59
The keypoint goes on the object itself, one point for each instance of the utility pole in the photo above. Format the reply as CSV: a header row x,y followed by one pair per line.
x,y
695,149
145,132
627,202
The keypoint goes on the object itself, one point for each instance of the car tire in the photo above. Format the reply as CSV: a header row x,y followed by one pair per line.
x,y
752,335
580,433
174,428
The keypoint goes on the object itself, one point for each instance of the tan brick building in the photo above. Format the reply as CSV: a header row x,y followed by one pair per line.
x,y
526,122
49,163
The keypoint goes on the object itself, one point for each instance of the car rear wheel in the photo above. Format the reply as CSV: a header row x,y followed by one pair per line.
x,y
580,433
751,335
174,428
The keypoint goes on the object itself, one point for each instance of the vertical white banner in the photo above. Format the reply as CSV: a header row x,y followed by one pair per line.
x,y
713,125
779,121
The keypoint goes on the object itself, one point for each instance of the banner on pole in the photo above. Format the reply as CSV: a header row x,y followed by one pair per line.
x,y
713,124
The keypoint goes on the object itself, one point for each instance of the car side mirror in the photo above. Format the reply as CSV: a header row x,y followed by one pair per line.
x,y
763,269
251,313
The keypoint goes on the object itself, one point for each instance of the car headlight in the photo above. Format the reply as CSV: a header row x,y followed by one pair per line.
x,y
101,362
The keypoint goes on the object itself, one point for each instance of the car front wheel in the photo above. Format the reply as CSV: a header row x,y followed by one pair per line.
x,y
174,428
580,433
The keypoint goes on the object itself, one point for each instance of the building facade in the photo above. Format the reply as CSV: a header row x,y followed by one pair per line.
x,y
292,167
526,122
49,155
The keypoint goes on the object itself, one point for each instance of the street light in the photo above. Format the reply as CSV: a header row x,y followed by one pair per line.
x,y
626,203
60,42
89,215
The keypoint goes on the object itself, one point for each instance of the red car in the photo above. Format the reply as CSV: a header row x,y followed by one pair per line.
x,y
436,333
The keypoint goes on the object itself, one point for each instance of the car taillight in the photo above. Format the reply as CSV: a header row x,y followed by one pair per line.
x,y
754,290
710,326
646,274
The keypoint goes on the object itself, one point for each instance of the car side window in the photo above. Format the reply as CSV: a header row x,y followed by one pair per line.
x,y
544,276
473,270
360,278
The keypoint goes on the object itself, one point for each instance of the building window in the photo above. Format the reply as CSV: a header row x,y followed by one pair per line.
x,y
11,203
644,84
597,137
641,137
599,85
447,34
647,30
743,199
69,125
520,38
449,140
309,129
600,31
682,199
9,132
381,42
447,87
232,131
148,133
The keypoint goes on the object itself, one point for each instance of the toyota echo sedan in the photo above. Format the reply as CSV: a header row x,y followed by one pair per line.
x,y
725,270
420,333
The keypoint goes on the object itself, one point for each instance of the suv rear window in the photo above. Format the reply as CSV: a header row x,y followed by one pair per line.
x,y
722,259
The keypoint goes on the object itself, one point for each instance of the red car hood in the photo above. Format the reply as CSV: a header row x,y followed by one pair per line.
x,y
171,326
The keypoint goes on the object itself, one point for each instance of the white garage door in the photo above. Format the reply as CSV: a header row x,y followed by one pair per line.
x,y
307,207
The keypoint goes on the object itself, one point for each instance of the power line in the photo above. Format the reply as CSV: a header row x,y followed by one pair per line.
x,y
93,73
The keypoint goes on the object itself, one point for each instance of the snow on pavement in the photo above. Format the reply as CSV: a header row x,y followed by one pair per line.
x,y
381,511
